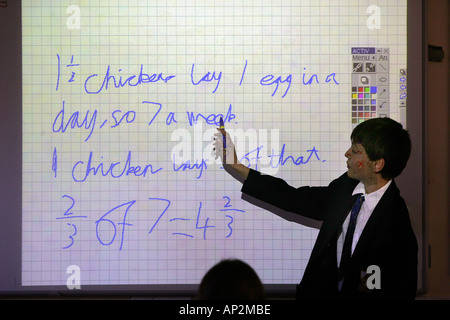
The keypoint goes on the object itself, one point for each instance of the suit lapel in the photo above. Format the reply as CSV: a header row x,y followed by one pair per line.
x,y
382,207
342,201
342,212
333,226
343,204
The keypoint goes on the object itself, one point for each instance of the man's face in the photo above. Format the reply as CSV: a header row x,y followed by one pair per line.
x,y
358,163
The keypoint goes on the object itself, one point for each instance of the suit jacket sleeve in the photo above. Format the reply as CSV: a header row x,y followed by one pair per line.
x,y
311,202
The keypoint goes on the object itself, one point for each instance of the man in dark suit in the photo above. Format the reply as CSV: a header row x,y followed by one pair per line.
x,y
354,244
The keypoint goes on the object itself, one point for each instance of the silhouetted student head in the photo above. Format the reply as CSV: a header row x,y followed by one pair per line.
x,y
231,279
384,138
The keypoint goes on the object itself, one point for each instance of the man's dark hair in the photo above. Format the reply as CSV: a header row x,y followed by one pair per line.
x,y
384,138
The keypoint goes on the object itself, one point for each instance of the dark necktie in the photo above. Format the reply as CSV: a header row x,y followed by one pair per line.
x,y
347,248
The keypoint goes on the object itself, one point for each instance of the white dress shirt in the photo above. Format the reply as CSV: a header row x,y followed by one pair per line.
x,y
370,202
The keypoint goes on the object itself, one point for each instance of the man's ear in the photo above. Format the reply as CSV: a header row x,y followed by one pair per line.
x,y
378,165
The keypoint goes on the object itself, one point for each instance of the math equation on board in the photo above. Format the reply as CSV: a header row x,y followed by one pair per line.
x,y
112,227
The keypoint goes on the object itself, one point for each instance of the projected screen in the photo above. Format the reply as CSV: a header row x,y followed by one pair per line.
x,y
121,101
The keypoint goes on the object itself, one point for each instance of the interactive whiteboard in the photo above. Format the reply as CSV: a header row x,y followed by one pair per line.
x,y
120,102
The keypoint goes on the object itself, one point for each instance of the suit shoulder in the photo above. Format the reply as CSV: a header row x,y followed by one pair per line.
x,y
344,182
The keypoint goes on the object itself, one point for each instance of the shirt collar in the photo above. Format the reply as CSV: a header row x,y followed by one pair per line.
x,y
371,199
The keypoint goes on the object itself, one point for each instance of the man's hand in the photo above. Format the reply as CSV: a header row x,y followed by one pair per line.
x,y
228,155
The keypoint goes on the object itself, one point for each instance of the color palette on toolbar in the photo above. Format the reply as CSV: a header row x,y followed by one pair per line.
x,y
364,103
370,83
